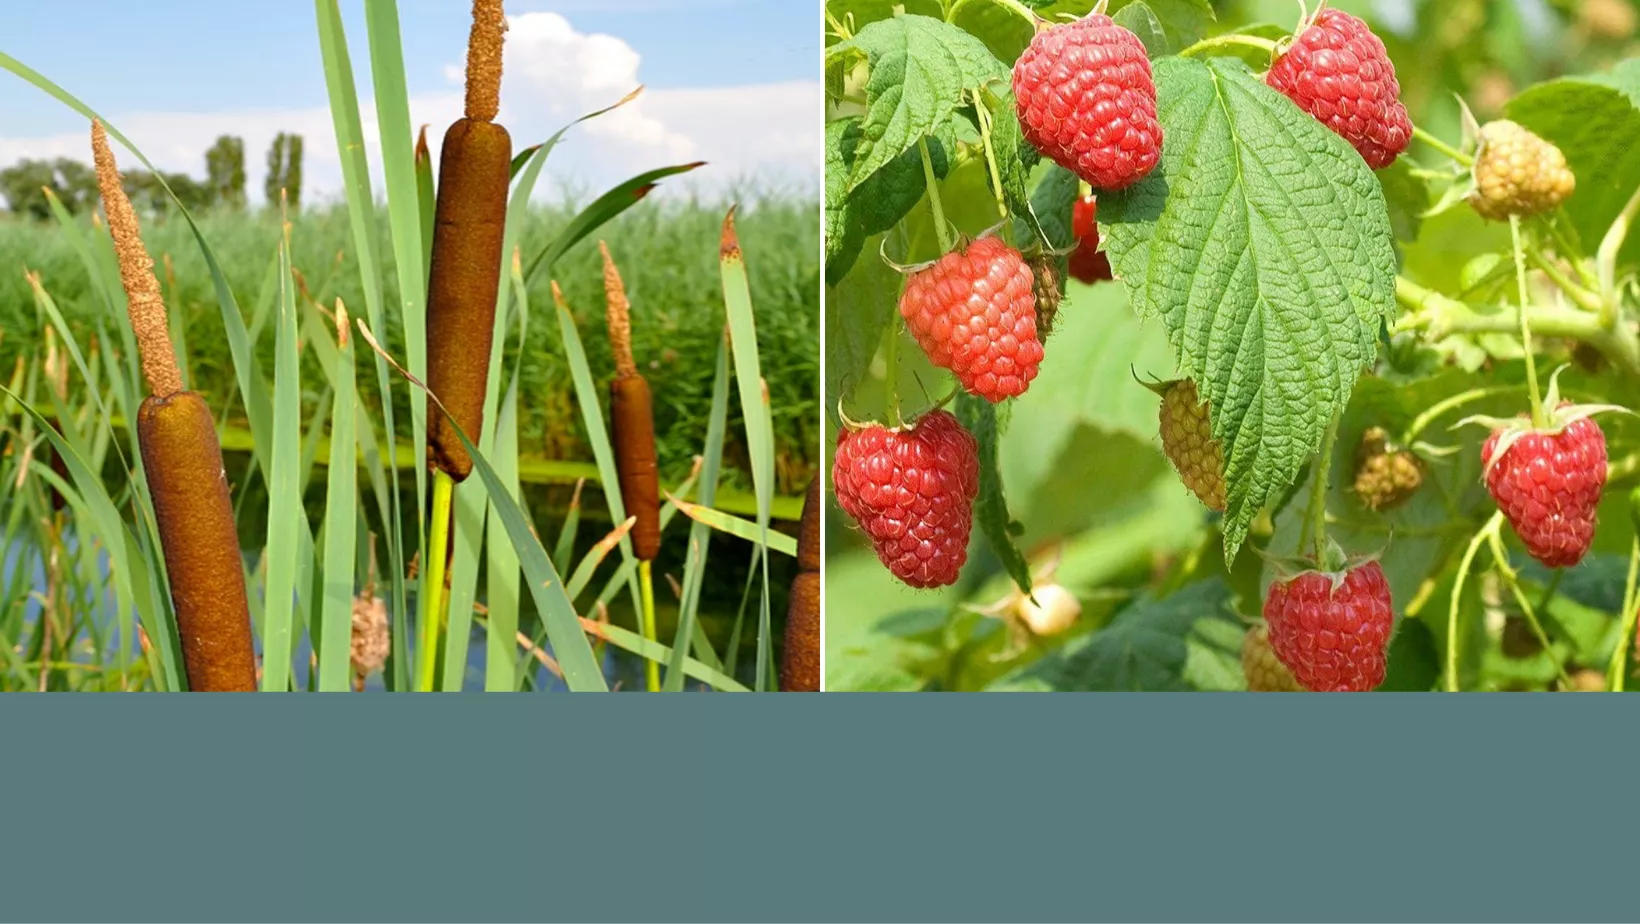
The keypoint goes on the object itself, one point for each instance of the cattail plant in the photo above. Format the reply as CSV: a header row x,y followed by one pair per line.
x,y
632,431
469,223
183,463
800,660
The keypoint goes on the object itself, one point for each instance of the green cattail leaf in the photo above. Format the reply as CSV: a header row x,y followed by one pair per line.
x,y
694,567
341,534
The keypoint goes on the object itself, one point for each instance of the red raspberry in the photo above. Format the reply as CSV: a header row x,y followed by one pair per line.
x,y
912,491
1332,639
1086,100
1339,72
1548,485
1088,263
974,312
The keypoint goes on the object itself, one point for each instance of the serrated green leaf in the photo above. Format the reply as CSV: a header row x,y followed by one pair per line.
x,y
1190,640
1005,26
920,69
1182,21
991,507
882,200
1262,242
1595,121
1141,20
1014,155
857,311
1407,197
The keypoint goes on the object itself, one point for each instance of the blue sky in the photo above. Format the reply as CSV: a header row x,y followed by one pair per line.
x,y
717,72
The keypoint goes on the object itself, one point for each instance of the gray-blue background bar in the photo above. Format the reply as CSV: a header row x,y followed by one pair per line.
x,y
829,808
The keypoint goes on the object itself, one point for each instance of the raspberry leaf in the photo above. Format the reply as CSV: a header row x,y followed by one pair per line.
x,y
1263,244
880,202
920,70
1015,157
1182,21
1005,26
991,507
1189,640
1595,121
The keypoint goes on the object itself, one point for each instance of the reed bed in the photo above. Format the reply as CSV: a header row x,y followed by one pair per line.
x,y
339,559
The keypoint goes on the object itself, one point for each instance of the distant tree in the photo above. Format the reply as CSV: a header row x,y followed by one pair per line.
x,y
285,170
225,166
22,184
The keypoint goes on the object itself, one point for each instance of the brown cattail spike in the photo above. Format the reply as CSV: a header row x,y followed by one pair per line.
x,y
469,225
800,659
148,319
194,513
620,316
632,422
484,60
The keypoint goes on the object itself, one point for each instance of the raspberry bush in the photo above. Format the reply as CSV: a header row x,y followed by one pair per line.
x,y
1279,405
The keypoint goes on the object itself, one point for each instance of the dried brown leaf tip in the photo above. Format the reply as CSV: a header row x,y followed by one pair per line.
x,y
620,317
484,60
730,249
146,307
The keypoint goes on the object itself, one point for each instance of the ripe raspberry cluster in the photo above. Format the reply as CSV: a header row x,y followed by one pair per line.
x,y
974,312
1548,484
1332,633
1086,100
1339,72
912,492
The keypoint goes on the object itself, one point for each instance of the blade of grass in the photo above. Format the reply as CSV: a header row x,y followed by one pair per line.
x,y
754,406
361,202
341,515
569,643
284,497
404,218
694,568
735,526
602,209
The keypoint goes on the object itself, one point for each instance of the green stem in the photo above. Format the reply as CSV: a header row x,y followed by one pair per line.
x,y
1318,491
891,375
1422,421
1618,668
1510,578
1606,257
1468,562
1441,316
1208,45
646,582
1566,248
1585,299
990,155
1538,418
941,231
430,625
1442,146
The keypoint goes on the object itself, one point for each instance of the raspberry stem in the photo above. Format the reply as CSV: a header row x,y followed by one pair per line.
x,y
1539,420
1618,667
1606,257
1501,555
1209,45
1318,490
1492,526
891,374
1442,146
942,232
990,155
1422,421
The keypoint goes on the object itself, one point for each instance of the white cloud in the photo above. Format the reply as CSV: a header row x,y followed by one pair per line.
x,y
553,75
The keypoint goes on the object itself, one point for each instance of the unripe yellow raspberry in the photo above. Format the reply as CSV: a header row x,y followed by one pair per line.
x,y
1187,438
1384,479
1264,671
1517,173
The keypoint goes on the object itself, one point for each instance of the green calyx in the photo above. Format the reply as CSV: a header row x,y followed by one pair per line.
x,y
1557,416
